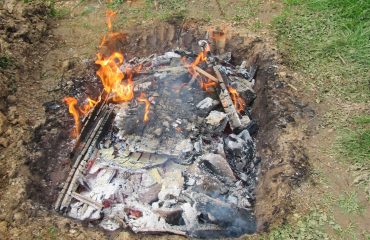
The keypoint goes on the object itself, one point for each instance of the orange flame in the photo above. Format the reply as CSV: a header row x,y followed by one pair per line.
x,y
238,101
111,77
202,56
207,84
109,72
143,99
110,14
72,102
88,106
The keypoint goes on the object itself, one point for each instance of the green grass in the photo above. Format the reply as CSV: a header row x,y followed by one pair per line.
x,y
115,4
349,203
329,39
311,226
5,62
355,141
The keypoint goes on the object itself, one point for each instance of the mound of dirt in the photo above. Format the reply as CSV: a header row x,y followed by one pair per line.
x,y
23,28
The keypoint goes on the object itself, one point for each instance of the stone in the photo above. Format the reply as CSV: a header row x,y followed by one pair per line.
x,y
166,124
3,227
172,186
158,132
218,165
19,217
67,65
2,123
150,194
11,99
207,105
216,118
184,147
245,90
4,142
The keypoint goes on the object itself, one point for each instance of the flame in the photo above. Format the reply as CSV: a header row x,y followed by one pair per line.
x,y
112,77
110,14
143,99
72,102
85,109
238,101
202,56
207,84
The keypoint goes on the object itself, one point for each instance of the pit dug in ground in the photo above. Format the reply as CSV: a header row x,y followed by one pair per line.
x,y
176,158
181,156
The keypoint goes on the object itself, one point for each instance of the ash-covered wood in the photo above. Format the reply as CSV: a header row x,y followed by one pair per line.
x,y
190,170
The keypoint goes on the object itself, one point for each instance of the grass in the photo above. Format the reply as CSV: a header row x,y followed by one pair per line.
x,y
5,62
329,39
355,141
349,203
311,226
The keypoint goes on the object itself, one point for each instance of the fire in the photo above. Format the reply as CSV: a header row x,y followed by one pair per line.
x,y
238,101
202,56
142,98
112,77
88,106
110,14
207,84
72,102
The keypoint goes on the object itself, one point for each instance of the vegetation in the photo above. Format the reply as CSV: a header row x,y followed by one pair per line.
x,y
5,62
329,39
355,141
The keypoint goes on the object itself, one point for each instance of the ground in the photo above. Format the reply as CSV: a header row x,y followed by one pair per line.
x,y
44,44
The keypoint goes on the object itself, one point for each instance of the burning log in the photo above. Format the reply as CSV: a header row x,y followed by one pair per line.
x,y
227,103
207,75
84,150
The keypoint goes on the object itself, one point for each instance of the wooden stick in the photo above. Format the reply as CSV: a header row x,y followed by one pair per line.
x,y
227,103
204,73
87,200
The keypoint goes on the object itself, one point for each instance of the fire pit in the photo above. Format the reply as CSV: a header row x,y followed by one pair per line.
x,y
175,159
166,146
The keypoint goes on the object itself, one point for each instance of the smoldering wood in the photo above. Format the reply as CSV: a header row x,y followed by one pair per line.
x,y
227,103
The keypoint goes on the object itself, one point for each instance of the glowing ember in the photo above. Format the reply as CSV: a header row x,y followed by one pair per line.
x,y
143,99
238,101
72,102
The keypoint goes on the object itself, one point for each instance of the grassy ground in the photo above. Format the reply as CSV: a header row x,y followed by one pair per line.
x,y
327,41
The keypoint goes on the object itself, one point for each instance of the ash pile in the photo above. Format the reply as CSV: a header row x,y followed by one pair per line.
x,y
180,160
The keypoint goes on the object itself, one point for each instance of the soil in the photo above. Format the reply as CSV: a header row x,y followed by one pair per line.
x,y
52,58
